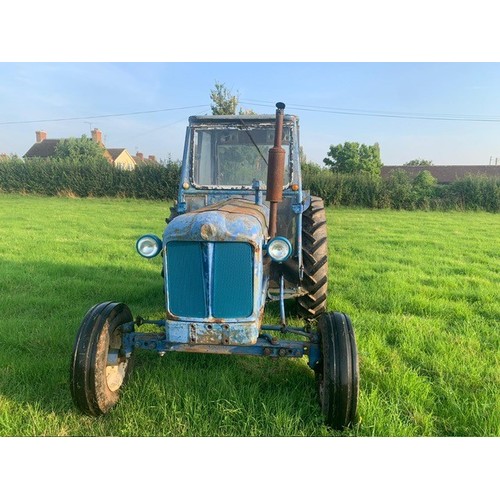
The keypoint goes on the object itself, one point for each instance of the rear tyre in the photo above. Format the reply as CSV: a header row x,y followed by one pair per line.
x,y
99,368
337,373
315,261
173,214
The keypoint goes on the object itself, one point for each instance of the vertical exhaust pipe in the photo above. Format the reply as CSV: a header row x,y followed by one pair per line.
x,y
276,171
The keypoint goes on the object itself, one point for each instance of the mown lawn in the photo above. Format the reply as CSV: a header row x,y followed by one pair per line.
x,y
422,289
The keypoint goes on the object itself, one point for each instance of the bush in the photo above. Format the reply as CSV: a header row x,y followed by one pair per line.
x,y
52,177
400,192
472,193
324,184
363,190
424,188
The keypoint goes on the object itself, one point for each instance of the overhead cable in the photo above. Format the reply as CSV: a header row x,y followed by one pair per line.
x,y
102,116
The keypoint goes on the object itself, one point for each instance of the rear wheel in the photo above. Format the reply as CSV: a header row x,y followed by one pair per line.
x,y
99,367
173,214
315,260
337,373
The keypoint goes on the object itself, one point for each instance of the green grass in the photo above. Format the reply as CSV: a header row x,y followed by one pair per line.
x,y
422,289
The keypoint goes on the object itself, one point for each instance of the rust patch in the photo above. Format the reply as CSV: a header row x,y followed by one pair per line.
x,y
237,206
205,334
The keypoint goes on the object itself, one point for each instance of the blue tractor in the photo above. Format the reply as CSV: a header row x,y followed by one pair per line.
x,y
243,233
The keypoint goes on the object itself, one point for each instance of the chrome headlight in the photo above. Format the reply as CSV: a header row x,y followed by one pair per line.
x,y
148,246
279,249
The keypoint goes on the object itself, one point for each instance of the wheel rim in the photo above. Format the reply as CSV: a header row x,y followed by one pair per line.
x,y
116,369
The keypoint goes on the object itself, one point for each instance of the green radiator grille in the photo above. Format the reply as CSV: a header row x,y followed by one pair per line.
x,y
210,279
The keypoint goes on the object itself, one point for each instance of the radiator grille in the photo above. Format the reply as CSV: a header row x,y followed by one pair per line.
x,y
210,279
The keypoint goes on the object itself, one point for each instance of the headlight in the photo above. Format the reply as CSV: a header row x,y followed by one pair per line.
x,y
279,249
148,246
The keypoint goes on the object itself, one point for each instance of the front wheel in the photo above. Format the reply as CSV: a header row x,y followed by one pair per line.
x,y
99,367
337,373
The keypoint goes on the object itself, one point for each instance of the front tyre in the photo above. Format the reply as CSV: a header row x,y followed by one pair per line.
x,y
99,367
337,373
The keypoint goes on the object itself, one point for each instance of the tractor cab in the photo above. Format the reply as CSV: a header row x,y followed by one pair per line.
x,y
227,157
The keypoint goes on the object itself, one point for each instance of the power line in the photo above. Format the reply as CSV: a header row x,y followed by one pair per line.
x,y
300,107
102,116
382,114
147,132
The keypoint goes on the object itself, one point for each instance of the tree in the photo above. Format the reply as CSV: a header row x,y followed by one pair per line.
x,y
418,162
352,157
80,149
224,102
424,181
247,111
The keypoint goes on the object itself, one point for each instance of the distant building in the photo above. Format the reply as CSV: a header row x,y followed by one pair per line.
x,y
445,174
45,148
122,158
141,160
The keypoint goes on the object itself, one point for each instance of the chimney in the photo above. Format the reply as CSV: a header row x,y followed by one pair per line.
x,y
40,135
152,158
140,156
97,136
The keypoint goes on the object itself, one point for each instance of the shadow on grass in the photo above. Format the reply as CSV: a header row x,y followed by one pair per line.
x,y
205,395
42,306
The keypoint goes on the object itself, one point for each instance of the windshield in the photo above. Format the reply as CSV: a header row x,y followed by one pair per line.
x,y
235,157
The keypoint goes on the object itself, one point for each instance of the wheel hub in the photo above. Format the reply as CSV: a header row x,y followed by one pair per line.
x,y
115,370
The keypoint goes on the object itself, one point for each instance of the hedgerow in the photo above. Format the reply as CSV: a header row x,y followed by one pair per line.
x,y
401,192
53,177
63,177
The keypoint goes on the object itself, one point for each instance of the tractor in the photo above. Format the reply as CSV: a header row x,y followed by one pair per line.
x,y
242,234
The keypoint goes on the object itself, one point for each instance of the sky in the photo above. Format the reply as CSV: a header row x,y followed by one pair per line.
x,y
448,113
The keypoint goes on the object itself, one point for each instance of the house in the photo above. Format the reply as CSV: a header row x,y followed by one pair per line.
x,y
122,158
45,148
140,160
445,174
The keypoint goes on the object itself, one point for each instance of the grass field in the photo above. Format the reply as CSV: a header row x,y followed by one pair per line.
x,y
422,289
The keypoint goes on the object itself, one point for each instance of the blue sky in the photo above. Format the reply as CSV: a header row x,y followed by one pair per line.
x,y
327,96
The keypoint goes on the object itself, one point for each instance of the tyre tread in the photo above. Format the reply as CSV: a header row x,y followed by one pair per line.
x,y
315,260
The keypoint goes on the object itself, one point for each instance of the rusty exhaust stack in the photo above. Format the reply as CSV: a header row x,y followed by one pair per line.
x,y
276,171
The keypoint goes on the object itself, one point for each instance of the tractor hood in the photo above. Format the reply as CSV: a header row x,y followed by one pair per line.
x,y
230,220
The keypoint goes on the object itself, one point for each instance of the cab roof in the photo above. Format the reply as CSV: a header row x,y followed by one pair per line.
x,y
238,119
